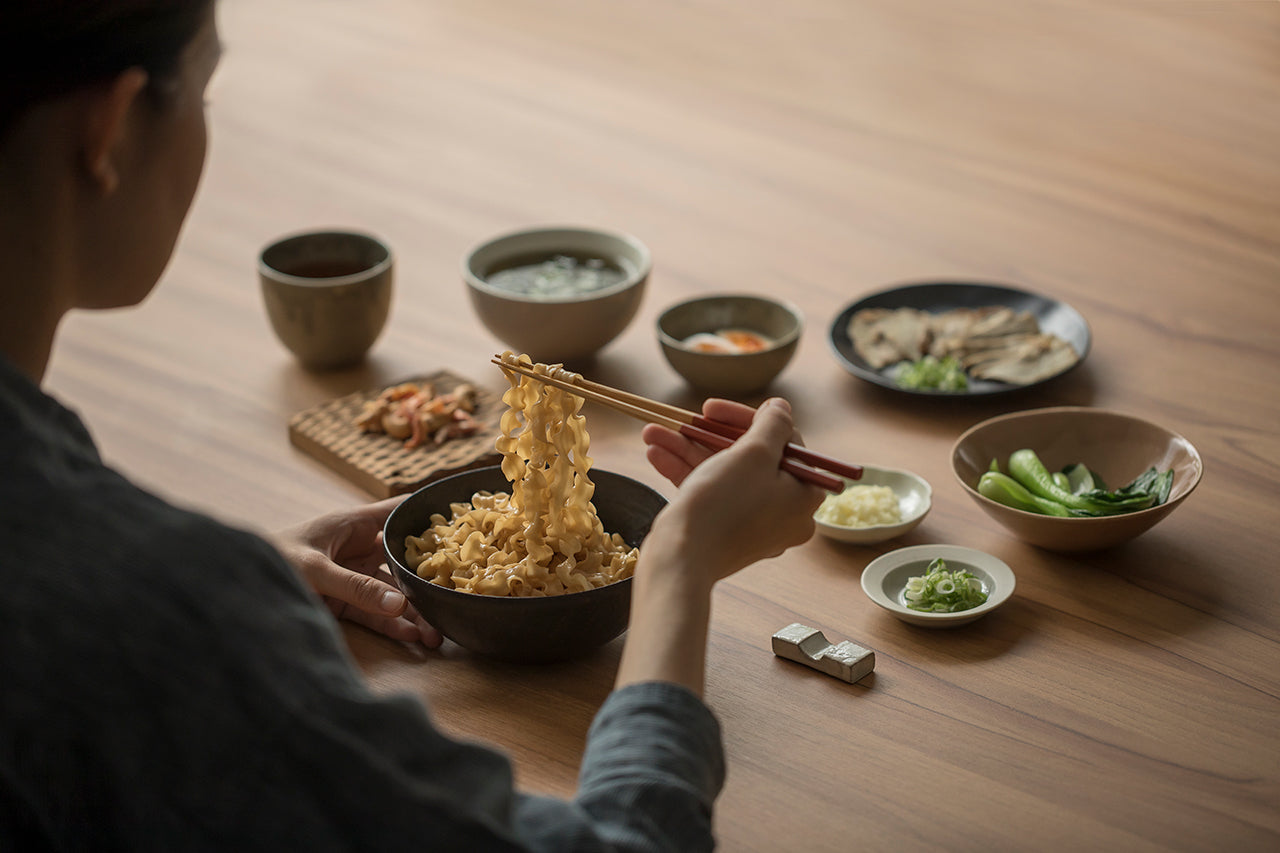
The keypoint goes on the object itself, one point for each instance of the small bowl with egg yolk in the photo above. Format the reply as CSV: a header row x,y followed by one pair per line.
x,y
730,344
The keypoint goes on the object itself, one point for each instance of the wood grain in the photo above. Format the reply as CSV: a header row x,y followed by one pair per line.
x,y
1118,156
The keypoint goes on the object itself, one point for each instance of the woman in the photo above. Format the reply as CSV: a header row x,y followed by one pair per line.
x,y
170,682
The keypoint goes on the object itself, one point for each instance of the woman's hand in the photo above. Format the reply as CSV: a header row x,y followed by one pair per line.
x,y
735,506
674,456
340,556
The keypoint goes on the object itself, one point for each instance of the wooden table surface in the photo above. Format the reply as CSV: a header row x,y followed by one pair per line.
x,y
1120,156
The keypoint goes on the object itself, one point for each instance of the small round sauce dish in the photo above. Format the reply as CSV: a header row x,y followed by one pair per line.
x,y
912,492
884,580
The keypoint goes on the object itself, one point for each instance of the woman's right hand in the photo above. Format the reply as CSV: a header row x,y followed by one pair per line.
x,y
735,506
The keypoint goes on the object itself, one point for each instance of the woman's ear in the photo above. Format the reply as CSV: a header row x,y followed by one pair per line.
x,y
106,125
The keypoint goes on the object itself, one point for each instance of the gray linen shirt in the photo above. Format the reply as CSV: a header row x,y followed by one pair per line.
x,y
170,684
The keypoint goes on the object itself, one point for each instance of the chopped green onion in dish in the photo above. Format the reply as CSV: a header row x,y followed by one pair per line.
x,y
942,591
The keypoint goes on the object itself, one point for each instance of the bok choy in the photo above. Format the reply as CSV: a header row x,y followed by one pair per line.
x,y
1074,491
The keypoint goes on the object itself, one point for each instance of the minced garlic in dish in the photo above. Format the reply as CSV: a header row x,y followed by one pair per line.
x,y
860,506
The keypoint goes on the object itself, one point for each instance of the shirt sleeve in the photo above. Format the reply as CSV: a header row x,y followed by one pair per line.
x,y
653,767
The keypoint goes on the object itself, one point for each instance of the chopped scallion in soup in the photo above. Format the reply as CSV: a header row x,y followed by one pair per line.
x,y
557,276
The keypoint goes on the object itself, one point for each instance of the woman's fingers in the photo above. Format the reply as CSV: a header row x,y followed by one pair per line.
x,y
674,456
671,454
740,415
397,628
773,424
668,464
373,603
362,592
728,412
378,511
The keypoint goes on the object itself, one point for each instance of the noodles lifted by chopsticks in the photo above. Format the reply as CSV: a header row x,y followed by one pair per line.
x,y
543,538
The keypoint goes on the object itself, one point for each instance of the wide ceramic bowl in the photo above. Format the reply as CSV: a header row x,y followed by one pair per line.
x,y
1117,446
521,630
730,373
557,327
885,579
914,497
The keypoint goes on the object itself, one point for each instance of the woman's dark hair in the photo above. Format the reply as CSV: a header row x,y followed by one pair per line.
x,y
51,47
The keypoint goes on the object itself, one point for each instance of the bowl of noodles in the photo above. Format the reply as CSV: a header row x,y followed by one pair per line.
x,y
532,628
529,561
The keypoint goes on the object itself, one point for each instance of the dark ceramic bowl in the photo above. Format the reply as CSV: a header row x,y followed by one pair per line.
x,y
522,630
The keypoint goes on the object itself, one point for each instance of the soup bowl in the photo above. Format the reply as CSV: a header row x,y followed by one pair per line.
x,y
582,289
521,629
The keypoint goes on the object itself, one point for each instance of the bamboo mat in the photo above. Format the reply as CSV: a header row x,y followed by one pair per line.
x,y
380,464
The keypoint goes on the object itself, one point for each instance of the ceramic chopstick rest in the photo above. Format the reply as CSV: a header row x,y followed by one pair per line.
x,y
844,660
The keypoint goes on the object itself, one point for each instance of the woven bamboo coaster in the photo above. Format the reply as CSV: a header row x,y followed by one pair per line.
x,y
380,464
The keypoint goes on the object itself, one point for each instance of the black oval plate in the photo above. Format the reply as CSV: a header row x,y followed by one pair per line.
x,y
1055,317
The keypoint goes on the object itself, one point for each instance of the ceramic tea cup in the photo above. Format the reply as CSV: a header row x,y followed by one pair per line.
x,y
327,294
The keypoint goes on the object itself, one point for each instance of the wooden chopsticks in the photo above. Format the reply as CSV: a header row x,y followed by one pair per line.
x,y
806,464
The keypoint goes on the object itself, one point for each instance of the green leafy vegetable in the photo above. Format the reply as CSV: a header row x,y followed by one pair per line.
x,y
1074,491
1003,489
1150,482
933,374
1081,479
942,591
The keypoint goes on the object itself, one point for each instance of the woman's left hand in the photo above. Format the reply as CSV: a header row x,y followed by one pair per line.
x,y
340,556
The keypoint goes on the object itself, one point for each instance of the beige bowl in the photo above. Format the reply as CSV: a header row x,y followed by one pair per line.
x,y
327,294
721,373
556,329
1117,446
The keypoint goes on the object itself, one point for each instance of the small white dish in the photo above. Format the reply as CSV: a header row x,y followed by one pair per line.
x,y
885,578
915,497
